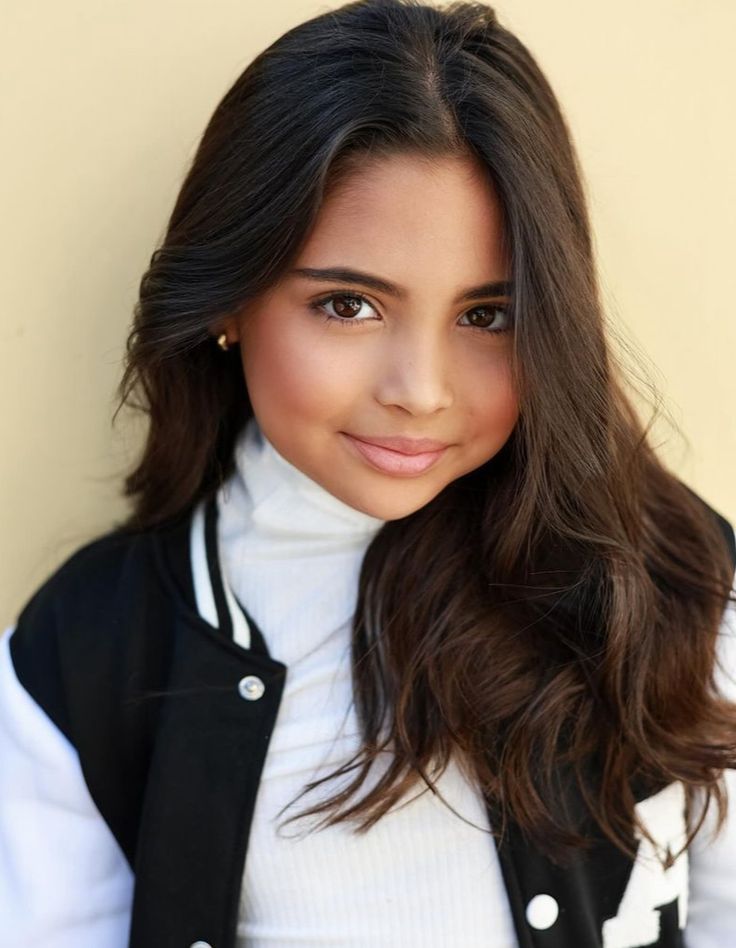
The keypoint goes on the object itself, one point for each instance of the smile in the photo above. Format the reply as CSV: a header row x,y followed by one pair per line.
x,y
393,462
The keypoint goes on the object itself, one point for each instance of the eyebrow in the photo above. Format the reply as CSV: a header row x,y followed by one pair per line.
x,y
346,275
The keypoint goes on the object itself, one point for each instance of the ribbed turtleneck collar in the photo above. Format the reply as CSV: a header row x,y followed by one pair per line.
x,y
290,549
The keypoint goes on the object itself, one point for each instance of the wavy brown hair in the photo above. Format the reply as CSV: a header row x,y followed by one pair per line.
x,y
559,606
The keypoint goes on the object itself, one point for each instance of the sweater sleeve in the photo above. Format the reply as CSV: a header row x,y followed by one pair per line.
x,y
711,921
64,881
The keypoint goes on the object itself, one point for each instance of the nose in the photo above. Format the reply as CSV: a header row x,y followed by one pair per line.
x,y
414,374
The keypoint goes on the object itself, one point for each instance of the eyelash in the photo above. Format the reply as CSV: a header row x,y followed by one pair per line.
x,y
318,305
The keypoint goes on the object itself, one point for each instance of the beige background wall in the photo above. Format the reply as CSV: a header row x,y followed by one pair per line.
x,y
102,105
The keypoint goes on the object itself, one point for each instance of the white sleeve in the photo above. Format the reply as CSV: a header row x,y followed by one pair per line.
x,y
64,881
711,919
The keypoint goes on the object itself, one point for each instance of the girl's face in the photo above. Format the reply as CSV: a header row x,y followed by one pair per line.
x,y
414,355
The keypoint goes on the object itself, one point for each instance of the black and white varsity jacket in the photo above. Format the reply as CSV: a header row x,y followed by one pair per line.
x,y
160,685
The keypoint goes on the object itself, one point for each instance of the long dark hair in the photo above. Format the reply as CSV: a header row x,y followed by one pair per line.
x,y
561,603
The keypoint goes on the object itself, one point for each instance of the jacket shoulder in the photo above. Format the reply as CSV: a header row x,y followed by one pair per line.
x,y
89,646
78,627
89,575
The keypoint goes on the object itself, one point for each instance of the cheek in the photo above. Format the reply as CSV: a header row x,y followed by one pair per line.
x,y
489,393
288,371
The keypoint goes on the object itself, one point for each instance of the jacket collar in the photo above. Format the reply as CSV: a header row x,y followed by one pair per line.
x,y
190,562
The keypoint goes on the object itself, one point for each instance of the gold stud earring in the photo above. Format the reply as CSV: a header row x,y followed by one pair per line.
x,y
222,341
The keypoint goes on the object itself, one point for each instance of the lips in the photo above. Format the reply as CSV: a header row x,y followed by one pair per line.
x,y
390,461
404,445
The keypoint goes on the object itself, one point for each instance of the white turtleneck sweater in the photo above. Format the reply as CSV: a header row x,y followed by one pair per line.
x,y
291,552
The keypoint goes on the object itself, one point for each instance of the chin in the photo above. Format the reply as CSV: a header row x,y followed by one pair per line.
x,y
399,509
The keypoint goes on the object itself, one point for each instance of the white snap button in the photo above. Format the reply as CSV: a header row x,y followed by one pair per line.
x,y
251,687
542,911
200,944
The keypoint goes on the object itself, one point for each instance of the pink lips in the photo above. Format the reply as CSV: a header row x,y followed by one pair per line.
x,y
395,462
404,445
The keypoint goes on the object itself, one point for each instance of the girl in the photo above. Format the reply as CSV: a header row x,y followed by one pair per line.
x,y
396,528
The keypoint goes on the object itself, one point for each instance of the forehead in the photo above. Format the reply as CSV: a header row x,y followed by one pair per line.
x,y
410,211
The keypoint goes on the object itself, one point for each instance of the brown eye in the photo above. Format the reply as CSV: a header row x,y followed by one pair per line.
x,y
484,318
348,309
